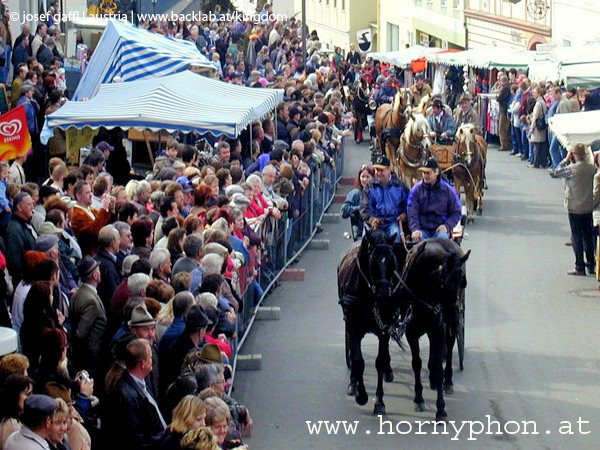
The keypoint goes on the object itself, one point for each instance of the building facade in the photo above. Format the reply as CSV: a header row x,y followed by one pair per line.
x,y
517,24
337,21
575,22
395,25
439,23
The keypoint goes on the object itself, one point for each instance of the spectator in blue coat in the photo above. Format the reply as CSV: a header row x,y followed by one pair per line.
x,y
433,205
27,92
383,202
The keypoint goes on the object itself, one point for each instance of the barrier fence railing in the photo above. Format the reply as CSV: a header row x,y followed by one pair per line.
x,y
285,239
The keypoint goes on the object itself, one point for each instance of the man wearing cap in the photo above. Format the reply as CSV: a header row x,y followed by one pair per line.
x,y
132,416
192,338
105,148
441,123
580,197
419,90
433,205
188,195
88,319
466,114
38,412
383,202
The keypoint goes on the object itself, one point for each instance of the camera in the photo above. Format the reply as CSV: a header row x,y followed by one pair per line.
x,y
83,377
241,413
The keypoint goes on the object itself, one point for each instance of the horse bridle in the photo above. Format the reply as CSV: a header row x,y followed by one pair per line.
x,y
373,285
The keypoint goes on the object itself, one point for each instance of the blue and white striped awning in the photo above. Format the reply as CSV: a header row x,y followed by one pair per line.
x,y
133,54
183,101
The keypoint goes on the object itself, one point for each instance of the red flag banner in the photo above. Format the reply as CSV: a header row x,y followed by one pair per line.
x,y
14,134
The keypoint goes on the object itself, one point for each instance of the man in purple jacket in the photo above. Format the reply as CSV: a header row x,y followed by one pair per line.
x,y
433,206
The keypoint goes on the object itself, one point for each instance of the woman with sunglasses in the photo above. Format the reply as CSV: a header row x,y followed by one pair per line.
x,y
350,208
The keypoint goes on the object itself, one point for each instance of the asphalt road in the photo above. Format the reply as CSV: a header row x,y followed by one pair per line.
x,y
532,339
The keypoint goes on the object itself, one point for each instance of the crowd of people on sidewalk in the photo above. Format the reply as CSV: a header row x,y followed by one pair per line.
x,y
127,294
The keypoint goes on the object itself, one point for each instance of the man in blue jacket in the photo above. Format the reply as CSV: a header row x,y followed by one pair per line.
x,y
383,202
433,205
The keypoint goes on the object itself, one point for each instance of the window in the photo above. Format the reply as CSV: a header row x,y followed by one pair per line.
x,y
343,5
443,3
393,37
455,4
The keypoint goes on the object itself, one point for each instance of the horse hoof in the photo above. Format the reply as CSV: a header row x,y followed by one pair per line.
x,y
479,213
449,390
351,389
389,376
420,407
362,398
441,416
379,409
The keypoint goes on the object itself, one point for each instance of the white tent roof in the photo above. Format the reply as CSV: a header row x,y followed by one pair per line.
x,y
576,128
183,101
402,58
484,58
135,54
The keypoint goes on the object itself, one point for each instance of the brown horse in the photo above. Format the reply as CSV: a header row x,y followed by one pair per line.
x,y
469,168
415,148
390,120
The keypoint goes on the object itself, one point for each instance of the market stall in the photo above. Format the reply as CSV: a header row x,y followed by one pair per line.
x,y
576,128
132,53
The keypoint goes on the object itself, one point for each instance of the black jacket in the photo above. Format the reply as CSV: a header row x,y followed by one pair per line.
x,y
110,277
130,417
22,238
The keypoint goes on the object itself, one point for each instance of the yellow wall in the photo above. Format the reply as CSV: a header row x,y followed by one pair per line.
x,y
396,12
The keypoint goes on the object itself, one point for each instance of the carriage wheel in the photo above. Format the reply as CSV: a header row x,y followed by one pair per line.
x,y
347,349
460,330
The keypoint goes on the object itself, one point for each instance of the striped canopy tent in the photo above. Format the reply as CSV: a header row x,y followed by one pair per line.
x,y
577,66
403,57
576,128
182,101
488,57
132,54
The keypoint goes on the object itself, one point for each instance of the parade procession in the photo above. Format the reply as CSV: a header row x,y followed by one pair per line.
x,y
305,224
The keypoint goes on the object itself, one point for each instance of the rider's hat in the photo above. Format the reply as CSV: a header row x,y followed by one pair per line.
x,y
419,76
381,162
430,164
579,149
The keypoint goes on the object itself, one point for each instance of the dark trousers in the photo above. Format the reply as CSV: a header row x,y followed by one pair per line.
x,y
581,233
540,150
504,132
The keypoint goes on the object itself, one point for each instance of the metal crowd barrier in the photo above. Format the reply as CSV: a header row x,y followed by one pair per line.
x,y
285,239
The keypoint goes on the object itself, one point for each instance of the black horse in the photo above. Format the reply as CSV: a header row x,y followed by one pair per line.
x,y
433,277
368,283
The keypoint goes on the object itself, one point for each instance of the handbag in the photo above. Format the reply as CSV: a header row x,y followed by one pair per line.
x,y
540,124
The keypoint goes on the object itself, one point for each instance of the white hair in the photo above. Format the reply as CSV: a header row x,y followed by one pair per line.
x,y
158,257
269,168
137,283
253,178
211,263
141,187
207,299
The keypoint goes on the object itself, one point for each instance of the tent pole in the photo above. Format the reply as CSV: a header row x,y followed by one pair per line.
x,y
251,143
148,147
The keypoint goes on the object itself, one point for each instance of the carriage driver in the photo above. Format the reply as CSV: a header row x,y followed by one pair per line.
x,y
433,206
441,123
383,201
465,113
387,89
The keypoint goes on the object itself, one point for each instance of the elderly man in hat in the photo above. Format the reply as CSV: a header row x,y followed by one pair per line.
x,y
132,416
441,123
433,206
383,201
38,412
419,89
88,319
466,114
143,326
578,171
196,323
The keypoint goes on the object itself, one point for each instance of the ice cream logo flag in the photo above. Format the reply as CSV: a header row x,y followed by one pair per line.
x,y
14,134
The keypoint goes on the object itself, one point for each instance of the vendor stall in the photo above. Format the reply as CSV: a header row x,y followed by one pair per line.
x,y
576,128
132,53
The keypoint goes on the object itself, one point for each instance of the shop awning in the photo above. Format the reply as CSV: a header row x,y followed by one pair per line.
x,y
485,58
183,101
133,54
576,128
402,58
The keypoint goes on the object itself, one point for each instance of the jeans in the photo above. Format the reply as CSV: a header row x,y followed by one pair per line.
x,y
540,152
515,133
581,234
524,141
435,234
557,152
392,228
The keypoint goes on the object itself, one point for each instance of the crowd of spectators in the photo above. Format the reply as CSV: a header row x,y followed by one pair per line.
x,y
127,293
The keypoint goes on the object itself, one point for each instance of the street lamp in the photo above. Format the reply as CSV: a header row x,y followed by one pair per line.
x,y
154,6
